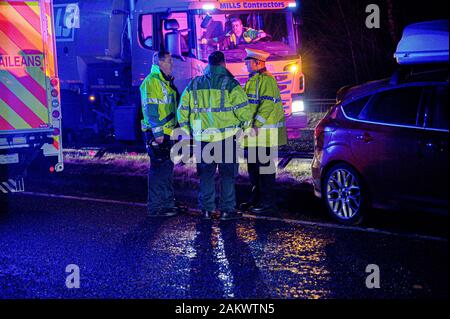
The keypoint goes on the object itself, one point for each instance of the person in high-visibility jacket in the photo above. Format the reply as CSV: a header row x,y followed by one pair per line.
x,y
159,98
213,109
269,133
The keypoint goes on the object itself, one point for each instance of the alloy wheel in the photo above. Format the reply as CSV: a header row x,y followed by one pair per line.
x,y
343,194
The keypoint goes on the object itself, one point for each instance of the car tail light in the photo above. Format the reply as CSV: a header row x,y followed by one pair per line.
x,y
321,128
319,136
318,130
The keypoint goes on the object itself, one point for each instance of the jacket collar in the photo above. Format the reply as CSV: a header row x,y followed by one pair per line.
x,y
156,71
260,71
212,70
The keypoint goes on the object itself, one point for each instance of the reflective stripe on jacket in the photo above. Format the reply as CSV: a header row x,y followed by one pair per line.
x,y
214,106
263,92
158,104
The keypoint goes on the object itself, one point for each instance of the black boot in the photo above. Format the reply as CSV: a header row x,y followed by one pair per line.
x,y
246,207
161,213
231,215
266,210
168,212
181,208
207,215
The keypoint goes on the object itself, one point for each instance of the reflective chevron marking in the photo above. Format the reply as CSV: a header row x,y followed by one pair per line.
x,y
12,186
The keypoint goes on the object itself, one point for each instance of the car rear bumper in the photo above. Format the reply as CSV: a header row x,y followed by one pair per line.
x,y
316,170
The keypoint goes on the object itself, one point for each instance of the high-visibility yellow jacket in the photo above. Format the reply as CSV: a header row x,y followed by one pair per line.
x,y
158,104
248,35
214,106
263,92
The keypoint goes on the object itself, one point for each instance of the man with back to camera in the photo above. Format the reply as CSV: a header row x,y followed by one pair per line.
x,y
214,108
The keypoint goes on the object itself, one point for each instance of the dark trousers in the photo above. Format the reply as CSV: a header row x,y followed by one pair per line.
x,y
160,176
228,169
261,177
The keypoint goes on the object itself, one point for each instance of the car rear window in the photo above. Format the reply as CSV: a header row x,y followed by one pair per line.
x,y
353,109
398,106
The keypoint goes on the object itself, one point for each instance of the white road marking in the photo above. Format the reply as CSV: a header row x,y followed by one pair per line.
x,y
288,221
85,199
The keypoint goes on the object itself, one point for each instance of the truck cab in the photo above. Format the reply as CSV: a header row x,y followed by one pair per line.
x,y
191,30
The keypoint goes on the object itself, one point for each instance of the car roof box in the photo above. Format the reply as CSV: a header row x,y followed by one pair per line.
x,y
423,43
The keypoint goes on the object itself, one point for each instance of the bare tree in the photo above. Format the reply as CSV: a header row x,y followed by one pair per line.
x,y
349,40
392,21
338,48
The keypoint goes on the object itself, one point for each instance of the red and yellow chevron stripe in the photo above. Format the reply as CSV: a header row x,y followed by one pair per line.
x,y
27,62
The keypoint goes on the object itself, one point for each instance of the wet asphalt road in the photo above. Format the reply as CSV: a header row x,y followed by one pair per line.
x,y
120,254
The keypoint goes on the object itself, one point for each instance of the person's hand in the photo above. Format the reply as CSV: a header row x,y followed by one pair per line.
x,y
159,140
262,35
254,132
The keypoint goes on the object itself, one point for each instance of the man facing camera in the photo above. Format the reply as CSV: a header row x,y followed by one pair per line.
x,y
159,98
241,35
269,133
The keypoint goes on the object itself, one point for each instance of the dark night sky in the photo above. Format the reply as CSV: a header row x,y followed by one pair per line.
x,y
332,27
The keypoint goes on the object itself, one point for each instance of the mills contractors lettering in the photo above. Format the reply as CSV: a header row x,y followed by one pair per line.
x,y
252,5
19,61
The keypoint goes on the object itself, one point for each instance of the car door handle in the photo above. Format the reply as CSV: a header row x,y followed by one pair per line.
x,y
366,138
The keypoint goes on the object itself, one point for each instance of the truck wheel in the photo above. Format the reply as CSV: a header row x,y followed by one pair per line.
x,y
345,195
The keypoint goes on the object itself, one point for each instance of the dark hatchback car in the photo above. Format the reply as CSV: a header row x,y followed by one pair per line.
x,y
385,145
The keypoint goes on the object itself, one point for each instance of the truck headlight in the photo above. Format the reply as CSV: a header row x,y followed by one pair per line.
x,y
298,106
292,68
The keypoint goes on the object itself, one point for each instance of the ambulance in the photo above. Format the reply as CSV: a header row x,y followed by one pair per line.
x,y
191,30
30,112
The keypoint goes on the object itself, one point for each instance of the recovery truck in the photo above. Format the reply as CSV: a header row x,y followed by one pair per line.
x,y
105,56
30,112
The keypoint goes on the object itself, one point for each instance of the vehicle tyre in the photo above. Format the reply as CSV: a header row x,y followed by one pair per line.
x,y
345,195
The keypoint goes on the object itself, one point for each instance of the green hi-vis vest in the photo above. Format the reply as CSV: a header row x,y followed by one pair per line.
x,y
158,104
248,35
263,92
214,106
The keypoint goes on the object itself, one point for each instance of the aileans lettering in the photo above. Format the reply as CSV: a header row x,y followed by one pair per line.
x,y
18,61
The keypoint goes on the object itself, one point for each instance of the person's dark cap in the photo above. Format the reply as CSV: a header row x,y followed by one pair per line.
x,y
216,58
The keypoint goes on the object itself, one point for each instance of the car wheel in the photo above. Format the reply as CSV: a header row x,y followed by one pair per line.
x,y
344,194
